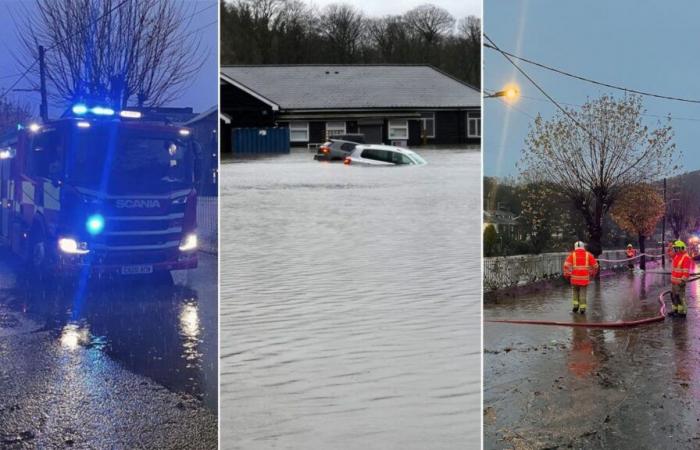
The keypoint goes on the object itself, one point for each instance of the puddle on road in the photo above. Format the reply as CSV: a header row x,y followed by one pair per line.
x,y
623,388
152,327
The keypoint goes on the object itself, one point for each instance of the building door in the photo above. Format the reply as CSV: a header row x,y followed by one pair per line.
x,y
372,132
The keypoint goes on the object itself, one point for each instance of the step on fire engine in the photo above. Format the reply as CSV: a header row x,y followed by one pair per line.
x,y
101,191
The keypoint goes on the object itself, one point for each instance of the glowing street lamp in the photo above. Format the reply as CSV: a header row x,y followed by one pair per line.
x,y
510,93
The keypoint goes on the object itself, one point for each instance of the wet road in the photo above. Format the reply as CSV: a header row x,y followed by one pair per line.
x,y
559,387
350,304
128,364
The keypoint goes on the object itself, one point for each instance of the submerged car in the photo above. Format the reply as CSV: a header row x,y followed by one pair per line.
x,y
338,147
383,155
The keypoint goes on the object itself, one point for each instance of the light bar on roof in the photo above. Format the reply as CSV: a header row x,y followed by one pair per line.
x,y
79,109
102,111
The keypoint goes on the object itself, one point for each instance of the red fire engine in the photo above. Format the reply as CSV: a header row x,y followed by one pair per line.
x,y
100,191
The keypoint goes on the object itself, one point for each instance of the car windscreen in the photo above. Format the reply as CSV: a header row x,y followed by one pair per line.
x,y
417,159
127,162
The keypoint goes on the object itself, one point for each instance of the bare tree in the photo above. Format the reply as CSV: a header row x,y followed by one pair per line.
x,y
595,153
430,22
13,112
139,51
343,26
681,208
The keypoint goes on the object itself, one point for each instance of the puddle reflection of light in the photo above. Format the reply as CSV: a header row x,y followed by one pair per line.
x,y
73,336
190,331
189,321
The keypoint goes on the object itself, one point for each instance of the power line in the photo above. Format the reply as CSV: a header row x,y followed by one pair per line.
x,y
534,83
657,116
588,80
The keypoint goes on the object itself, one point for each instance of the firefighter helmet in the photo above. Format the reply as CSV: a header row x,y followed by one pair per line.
x,y
579,244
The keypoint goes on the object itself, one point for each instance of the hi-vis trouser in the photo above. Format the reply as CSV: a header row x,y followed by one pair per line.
x,y
678,299
579,296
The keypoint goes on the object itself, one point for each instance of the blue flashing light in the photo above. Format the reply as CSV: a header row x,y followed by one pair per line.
x,y
95,224
102,111
80,109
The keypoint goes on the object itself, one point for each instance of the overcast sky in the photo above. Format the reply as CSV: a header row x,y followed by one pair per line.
x,y
639,44
458,8
201,95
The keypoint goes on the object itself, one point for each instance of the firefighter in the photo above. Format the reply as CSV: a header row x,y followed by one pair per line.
x,y
680,272
579,267
631,253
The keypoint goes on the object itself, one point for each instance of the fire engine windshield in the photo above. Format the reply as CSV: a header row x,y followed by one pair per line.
x,y
135,163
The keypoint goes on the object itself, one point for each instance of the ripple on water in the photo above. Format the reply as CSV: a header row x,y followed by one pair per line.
x,y
350,303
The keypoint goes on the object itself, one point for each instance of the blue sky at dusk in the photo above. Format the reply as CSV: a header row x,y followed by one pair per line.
x,y
643,45
201,95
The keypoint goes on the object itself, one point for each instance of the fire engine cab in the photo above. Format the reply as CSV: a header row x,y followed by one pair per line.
x,y
101,191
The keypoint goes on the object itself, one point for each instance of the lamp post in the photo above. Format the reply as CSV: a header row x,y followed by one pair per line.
x,y
510,93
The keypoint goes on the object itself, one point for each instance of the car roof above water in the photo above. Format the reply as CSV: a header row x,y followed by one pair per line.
x,y
390,148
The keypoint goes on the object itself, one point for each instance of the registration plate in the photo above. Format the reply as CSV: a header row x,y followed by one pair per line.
x,y
137,269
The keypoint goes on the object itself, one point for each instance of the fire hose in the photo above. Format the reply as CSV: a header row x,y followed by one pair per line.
x,y
619,324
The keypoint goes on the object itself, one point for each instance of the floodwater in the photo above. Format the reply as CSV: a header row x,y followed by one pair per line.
x,y
562,387
91,355
350,303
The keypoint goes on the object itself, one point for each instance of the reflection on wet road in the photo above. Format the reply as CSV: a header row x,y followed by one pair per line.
x,y
142,340
547,387
350,303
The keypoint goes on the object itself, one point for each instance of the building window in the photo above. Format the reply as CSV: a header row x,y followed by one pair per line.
x,y
427,121
474,125
335,128
298,131
398,130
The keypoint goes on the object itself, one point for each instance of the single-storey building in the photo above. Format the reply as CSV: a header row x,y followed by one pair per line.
x,y
401,104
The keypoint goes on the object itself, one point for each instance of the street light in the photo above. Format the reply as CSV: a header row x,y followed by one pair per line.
x,y
510,93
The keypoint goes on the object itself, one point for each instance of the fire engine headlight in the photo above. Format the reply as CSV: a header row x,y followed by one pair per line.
x,y
72,247
95,224
189,243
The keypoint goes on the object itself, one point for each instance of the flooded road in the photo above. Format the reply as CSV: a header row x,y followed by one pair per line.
x,y
123,363
561,387
350,303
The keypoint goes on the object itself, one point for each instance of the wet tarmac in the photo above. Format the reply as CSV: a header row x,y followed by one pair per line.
x,y
128,363
350,303
563,387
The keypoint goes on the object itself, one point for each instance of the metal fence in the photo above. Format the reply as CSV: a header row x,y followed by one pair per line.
x,y
207,224
509,271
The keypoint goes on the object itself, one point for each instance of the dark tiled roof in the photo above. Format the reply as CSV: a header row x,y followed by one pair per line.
x,y
354,86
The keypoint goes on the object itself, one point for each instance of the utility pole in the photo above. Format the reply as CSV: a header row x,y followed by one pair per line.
x,y
663,231
44,108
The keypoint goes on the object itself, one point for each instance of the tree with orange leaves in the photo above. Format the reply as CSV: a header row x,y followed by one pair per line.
x,y
637,211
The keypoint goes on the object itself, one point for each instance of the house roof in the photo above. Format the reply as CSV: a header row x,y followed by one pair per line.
x,y
203,115
352,86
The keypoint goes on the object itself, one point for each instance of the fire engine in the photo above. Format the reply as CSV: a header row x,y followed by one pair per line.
x,y
101,191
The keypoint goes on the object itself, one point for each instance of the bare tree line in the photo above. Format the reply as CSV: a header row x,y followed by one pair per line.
x,y
122,51
292,32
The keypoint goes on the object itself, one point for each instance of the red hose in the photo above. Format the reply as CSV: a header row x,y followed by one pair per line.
x,y
622,324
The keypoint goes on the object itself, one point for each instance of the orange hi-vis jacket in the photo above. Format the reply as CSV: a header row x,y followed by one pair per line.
x,y
680,272
631,253
579,267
